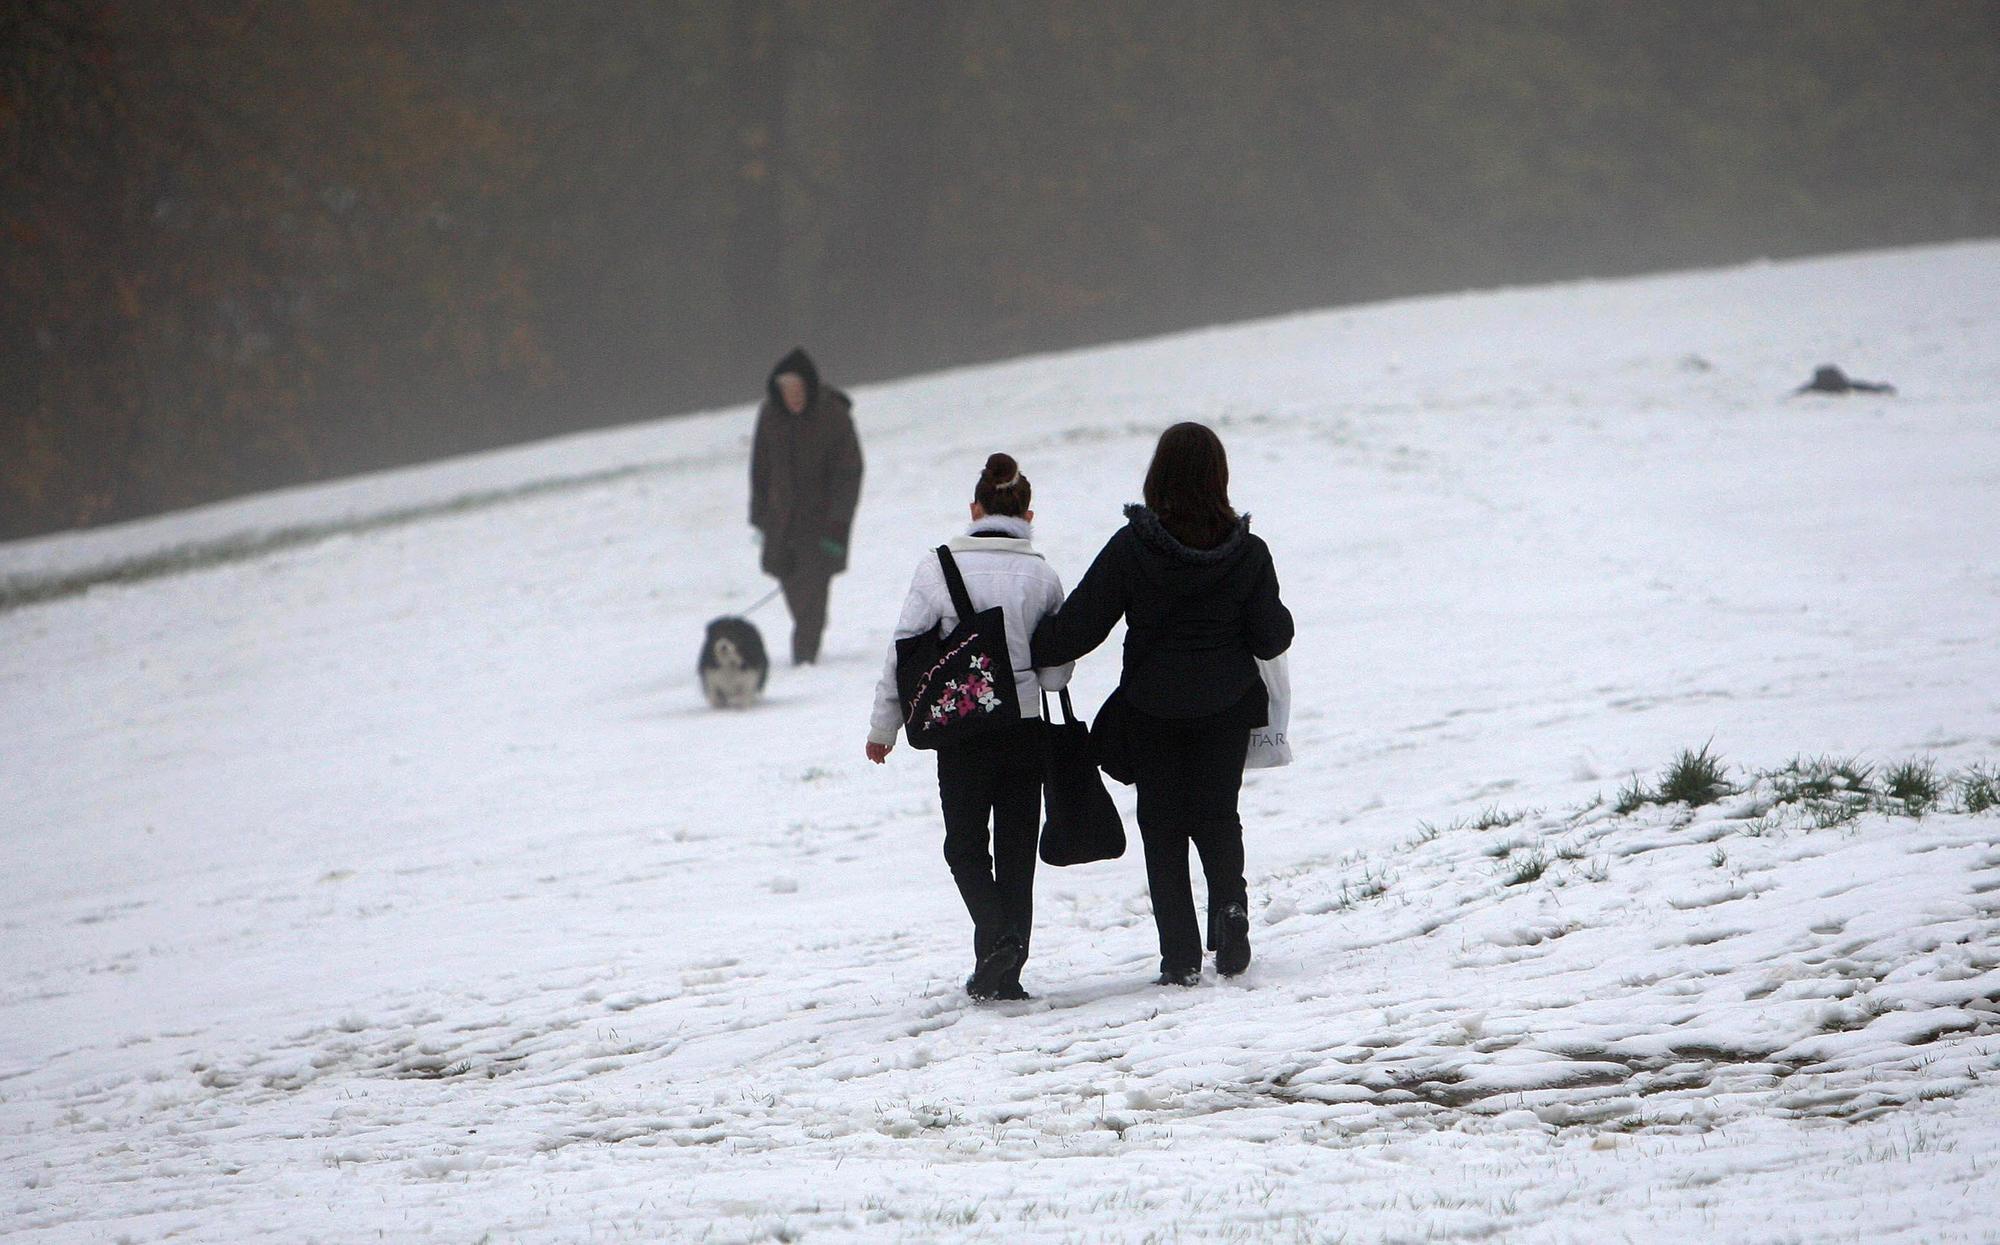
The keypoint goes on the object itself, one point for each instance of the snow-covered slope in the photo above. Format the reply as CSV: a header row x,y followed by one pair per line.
x,y
399,883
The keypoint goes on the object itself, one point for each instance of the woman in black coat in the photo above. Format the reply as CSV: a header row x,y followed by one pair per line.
x,y
1200,601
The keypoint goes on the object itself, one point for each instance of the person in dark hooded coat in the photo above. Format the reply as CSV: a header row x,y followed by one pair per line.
x,y
1199,596
805,480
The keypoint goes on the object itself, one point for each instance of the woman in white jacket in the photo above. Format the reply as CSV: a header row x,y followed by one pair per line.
x,y
996,776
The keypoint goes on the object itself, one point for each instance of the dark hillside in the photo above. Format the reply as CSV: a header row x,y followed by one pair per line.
x,y
246,243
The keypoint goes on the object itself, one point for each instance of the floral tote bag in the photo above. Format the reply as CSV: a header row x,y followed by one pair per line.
x,y
959,685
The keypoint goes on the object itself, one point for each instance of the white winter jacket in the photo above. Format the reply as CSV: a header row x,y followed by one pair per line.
x,y
1001,570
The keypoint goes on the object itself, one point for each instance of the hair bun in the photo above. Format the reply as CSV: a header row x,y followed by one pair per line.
x,y
1002,489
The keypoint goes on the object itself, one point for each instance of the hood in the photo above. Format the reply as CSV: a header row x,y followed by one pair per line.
x,y
1001,525
800,362
996,533
1166,554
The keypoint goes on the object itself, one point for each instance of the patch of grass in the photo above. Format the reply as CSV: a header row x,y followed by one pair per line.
x,y
1830,791
1569,851
936,1115
1914,785
1494,819
1822,778
1694,779
1371,886
1526,867
1597,870
1631,797
1829,814
1718,858
1979,789
1426,833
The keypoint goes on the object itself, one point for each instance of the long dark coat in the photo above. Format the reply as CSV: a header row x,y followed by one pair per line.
x,y
805,474
1195,619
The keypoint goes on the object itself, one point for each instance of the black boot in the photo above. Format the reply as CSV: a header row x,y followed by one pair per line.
x,y
1179,977
1232,941
994,968
1010,989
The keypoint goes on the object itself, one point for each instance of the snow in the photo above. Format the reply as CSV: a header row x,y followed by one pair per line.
x,y
399,882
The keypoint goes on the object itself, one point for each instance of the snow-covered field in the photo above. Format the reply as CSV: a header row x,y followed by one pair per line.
x,y
399,884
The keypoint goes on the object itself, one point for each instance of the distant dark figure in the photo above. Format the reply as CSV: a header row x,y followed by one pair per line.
x,y
1829,379
805,480
733,666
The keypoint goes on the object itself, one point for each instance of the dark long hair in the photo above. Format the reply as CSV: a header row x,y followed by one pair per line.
x,y
1002,489
1188,486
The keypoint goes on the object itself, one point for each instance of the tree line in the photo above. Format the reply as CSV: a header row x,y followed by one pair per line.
x,y
253,242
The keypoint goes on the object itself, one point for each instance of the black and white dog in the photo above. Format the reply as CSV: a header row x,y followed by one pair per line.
x,y
733,665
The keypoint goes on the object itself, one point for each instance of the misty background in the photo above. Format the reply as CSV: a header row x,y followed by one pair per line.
x,y
246,243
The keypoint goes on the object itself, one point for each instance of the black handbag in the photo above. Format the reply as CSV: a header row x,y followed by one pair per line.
x,y
958,686
1083,824
1111,735
1111,738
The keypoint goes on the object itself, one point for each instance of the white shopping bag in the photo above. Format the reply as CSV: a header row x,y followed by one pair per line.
x,y
1271,744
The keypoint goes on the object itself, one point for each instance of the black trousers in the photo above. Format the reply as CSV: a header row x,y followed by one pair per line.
x,y
806,588
994,784
1189,772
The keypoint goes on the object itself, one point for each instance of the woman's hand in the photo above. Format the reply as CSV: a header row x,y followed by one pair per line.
x,y
879,753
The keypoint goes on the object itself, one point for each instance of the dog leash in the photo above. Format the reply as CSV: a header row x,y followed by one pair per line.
x,y
768,597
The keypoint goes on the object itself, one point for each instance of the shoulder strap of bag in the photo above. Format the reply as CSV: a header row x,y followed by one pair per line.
x,y
955,584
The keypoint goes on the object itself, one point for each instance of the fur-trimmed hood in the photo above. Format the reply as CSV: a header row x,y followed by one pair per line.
x,y
1155,537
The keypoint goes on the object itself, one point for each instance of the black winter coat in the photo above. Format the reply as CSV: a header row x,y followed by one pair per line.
x,y
805,474
1195,618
